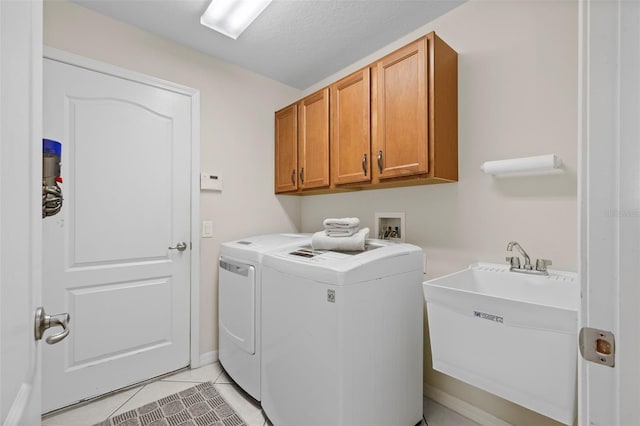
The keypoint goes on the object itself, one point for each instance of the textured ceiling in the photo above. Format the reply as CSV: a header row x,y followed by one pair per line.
x,y
296,42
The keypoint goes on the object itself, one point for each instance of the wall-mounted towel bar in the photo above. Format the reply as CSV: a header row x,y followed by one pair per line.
x,y
541,164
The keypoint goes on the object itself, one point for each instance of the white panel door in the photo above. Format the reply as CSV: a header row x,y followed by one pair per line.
x,y
106,256
20,209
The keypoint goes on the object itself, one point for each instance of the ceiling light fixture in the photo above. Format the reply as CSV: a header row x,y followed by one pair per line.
x,y
232,17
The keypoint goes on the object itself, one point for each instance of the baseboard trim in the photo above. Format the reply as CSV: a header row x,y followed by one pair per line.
x,y
208,358
461,407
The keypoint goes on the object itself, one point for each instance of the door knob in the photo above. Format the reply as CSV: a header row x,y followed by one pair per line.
x,y
181,246
44,321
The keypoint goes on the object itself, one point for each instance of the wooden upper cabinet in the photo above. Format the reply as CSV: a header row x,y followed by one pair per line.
x,y
313,140
400,128
394,123
350,129
286,128
415,114
443,109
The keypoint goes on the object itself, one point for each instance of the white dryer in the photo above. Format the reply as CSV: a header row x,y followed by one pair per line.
x,y
239,293
342,336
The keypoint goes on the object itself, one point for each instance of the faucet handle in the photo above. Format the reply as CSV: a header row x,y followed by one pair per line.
x,y
514,261
541,264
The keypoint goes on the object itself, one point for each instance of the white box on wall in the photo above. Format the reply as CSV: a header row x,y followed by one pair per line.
x,y
390,226
210,182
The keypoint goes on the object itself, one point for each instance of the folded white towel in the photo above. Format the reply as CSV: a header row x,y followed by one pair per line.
x,y
345,222
321,241
341,232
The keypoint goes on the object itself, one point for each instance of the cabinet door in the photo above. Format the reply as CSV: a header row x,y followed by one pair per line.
x,y
286,126
400,109
350,129
313,140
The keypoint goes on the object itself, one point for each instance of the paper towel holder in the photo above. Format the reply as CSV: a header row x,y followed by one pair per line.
x,y
525,166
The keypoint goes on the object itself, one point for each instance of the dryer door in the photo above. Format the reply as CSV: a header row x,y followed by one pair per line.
x,y
237,303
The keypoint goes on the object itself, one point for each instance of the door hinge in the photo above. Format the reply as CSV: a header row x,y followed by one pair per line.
x,y
597,346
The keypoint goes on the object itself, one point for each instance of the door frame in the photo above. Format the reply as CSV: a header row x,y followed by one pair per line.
x,y
194,94
21,282
609,205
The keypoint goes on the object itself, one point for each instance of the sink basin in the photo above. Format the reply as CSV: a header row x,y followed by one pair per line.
x,y
558,289
509,333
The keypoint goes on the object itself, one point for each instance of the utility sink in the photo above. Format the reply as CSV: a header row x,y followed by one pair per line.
x,y
509,333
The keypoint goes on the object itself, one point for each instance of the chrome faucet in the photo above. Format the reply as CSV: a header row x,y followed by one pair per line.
x,y
527,260
527,268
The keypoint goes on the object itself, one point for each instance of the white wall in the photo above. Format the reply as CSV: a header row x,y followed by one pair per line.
x,y
517,97
236,130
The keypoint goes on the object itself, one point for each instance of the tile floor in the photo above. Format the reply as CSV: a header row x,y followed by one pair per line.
x,y
246,407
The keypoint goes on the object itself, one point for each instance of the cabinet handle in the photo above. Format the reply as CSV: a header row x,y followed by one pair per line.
x,y
380,161
293,176
302,175
364,164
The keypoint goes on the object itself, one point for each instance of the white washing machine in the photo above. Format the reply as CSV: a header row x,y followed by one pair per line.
x,y
239,294
342,336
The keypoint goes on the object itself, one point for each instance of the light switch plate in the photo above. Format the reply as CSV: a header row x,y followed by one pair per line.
x,y
207,229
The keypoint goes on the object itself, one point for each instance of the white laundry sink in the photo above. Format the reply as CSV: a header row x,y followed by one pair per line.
x,y
509,333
